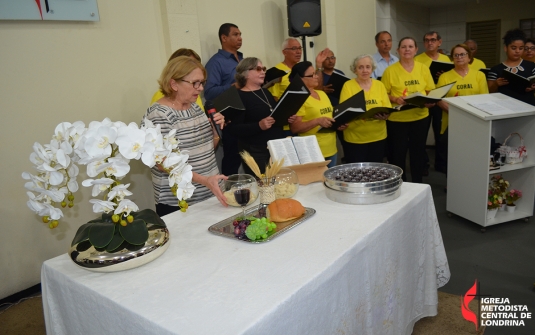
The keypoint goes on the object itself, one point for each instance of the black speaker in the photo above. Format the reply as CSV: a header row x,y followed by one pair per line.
x,y
304,17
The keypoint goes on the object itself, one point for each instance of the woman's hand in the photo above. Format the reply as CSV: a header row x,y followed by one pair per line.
x,y
342,127
443,105
531,88
219,120
328,89
266,123
325,122
398,100
429,105
212,183
292,118
502,82
381,116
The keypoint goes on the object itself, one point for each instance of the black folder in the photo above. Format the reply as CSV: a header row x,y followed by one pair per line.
x,y
437,66
273,76
337,81
517,82
434,96
228,101
290,102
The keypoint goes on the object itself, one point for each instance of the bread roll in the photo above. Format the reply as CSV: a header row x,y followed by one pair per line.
x,y
282,210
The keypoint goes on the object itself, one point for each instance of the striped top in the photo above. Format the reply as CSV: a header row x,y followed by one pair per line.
x,y
194,134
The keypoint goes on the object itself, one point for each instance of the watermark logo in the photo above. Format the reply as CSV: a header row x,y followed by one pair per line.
x,y
492,311
468,314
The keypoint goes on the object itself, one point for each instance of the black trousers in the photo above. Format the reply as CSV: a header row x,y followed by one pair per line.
x,y
163,209
367,152
408,137
442,153
231,154
435,120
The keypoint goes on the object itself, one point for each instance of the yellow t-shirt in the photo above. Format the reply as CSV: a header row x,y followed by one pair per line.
x,y
158,95
400,83
426,60
366,130
477,64
279,88
313,109
473,83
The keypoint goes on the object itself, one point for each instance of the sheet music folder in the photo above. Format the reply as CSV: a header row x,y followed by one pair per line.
x,y
437,66
228,101
290,102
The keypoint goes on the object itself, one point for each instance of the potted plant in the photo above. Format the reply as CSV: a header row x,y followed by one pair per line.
x,y
106,148
493,203
499,186
511,197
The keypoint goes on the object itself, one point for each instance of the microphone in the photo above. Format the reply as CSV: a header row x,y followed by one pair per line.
x,y
210,109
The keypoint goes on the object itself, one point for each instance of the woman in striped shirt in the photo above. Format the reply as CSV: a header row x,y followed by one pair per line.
x,y
181,82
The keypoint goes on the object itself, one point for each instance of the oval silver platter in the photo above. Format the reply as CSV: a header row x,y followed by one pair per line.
x,y
226,229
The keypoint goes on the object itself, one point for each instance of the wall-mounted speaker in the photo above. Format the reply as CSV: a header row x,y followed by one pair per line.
x,y
304,17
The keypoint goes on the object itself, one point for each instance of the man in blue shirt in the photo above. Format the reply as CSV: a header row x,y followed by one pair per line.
x,y
383,57
221,69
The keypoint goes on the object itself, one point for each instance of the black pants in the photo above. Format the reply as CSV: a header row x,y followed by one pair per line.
x,y
231,154
411,137
163,209
260,153
435,121
367,152
442,153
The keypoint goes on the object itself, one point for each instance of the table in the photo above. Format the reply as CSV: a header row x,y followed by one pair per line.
x,y
350,269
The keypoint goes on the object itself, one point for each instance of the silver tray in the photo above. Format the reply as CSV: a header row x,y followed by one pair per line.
x,y
363,187
362,198
226,229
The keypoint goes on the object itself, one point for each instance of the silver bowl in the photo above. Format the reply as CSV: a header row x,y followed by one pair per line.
x,y
363,193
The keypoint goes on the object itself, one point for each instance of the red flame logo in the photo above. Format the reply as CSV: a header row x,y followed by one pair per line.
x,y
465,300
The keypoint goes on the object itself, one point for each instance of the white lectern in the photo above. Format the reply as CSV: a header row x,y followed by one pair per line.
x,y
470,131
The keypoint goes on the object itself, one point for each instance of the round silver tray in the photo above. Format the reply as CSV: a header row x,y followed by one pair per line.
x,y
364,193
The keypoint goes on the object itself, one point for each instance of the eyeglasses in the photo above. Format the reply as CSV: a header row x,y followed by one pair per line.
x,y
331,58
529,48
428,40
294,48
310,75
196,84
460,55
259,68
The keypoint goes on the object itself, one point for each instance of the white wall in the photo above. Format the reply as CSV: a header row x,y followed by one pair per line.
x,y
68,71
450,22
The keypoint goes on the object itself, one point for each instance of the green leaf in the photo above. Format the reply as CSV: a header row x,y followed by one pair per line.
x,y
149,216
135,233
101,233
116,242
82,233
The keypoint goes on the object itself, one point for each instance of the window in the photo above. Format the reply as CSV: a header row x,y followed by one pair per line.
x,y
487,36
528,26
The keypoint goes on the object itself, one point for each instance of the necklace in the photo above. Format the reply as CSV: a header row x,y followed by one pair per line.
x,y
264,101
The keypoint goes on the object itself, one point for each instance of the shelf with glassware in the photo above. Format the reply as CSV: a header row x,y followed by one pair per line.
x,y
470,130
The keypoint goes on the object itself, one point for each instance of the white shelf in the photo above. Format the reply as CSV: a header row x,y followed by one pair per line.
x,y
469,139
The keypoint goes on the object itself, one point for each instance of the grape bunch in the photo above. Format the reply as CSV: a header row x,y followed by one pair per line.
x,y
357,175
240,225
259,229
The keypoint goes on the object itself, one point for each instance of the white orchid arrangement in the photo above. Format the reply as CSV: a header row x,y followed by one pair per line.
x,y
106,148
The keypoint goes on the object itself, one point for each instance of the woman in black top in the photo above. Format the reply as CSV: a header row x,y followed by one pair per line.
x,y
254,126
514,41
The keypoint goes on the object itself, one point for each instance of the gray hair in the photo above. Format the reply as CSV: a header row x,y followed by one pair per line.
x,y
353,66
285,42
242,69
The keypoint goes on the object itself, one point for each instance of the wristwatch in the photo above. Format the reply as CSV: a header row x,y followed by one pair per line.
x,y
320,68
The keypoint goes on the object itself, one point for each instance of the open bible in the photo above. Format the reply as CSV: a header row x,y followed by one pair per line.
x,y
296,150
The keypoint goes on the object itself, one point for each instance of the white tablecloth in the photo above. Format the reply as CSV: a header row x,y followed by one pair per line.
x,y
369,269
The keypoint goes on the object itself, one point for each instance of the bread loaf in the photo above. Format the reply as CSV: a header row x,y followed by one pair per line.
x,y
282,210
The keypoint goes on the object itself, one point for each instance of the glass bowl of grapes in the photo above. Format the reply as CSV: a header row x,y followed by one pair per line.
x,y
286,183
240,190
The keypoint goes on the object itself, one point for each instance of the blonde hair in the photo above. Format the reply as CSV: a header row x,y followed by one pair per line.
x,y
177,69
